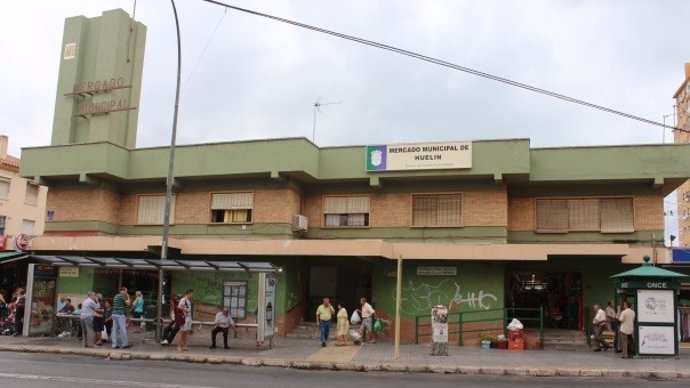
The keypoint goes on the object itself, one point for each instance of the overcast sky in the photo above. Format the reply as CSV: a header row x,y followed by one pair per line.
x,y
259,79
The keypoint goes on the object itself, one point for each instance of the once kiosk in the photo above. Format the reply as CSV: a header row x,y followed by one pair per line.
x,y
653,292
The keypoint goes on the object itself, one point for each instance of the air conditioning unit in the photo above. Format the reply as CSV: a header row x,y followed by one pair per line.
x,y
300,223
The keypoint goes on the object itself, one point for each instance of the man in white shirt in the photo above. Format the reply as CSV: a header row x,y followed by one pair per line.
x,y
368,315
185,306
599,324
626,328
89,307
223,323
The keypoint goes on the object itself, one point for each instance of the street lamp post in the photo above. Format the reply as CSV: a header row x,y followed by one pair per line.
x,y
169,180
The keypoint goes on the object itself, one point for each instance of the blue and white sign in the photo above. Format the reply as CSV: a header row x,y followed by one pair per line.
x,y
425,156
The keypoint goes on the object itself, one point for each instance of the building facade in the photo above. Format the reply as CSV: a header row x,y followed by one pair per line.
x,y
22,211
682,97
479,225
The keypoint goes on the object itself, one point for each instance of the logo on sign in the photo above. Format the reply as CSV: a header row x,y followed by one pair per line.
x,y
21,242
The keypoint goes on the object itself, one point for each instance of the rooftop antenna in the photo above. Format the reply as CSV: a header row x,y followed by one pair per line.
x,y
317,109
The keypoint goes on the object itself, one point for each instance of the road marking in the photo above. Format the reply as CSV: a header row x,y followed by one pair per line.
x,y
335,354
66,379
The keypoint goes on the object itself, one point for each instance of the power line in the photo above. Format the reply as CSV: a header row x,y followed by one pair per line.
x,y
208,43
440,62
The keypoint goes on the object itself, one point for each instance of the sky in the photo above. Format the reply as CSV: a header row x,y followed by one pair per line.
x,y
255,78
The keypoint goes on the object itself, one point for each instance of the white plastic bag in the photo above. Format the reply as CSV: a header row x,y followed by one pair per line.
x,y
515,324
355,319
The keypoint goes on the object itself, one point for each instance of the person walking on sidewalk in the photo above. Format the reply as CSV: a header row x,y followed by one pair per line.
x,y
185,306
368,314
19,307
627,325
138,310
121,305
324,314
343,325
599,323
223,323
89,308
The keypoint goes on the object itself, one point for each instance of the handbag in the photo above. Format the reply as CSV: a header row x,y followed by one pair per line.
x,y
355,319
377,325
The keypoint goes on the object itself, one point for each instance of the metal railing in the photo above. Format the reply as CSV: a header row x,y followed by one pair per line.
x,y
457,322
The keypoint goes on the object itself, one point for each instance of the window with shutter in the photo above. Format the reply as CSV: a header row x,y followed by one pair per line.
x,y
232,208
151,208
552,215
437,210
617,215
5,188
605,215
346,211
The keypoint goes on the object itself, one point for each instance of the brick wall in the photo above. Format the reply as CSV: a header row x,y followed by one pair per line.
x,y
485,208
521,214
85,203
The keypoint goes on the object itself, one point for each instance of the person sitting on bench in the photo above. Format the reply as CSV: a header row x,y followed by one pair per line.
x,y
223,323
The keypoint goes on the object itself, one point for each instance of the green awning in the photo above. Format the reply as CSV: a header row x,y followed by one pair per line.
x,y
647,270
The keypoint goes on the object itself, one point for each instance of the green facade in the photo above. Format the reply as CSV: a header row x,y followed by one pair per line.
x,y
99,82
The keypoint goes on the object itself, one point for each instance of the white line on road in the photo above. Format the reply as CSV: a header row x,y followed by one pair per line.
x,y
65,379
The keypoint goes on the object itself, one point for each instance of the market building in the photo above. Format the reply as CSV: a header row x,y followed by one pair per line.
x,y
479,224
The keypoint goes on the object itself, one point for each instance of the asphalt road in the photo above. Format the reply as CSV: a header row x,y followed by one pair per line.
x,y
41,370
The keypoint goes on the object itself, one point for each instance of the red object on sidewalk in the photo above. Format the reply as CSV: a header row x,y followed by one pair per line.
x,y
516,334
516,344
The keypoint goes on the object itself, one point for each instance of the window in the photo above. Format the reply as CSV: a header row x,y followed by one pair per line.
x,y
232,208
344,211
235,299
5,188
605,215
437,210
3,220
151,208
31,194
28,227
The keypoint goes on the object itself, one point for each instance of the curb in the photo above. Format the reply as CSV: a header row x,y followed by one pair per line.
x,y
352,366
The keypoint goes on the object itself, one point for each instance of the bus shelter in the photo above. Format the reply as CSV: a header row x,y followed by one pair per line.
x,y
42,284
653,294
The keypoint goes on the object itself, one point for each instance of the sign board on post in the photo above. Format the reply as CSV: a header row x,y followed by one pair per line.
x,y
426,156
437,271
439,331
69,272
41,295
266,314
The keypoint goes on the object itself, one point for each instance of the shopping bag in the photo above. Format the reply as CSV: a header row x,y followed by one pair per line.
x,y
355,319
104,335
377,325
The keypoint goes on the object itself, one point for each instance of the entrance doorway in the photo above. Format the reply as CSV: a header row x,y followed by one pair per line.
x,y
342,284
558,293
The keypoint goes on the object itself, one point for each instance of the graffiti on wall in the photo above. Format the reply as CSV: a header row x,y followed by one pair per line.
x,y
420,298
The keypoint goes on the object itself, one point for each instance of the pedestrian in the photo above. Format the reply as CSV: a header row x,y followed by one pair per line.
x,y
368,315
176,322
612,319
223,323
89,307
343,325
324,313
108,319
3,304
185,306
627,325
599,323
121,303
19,307
138,310
99,320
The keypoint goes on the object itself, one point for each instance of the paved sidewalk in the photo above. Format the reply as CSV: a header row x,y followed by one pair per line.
x,y
307,354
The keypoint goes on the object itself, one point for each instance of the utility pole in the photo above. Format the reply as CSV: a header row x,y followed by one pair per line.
x,y
169,181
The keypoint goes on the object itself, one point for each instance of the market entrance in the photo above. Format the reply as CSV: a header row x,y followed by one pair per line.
x,y
558,293
344,283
